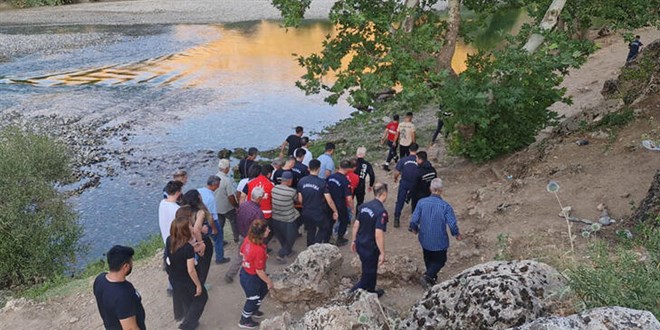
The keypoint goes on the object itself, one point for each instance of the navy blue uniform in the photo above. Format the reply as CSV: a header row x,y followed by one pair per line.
x,y
363,170
299,171
314,209
425,174
339,189
408,168
371,216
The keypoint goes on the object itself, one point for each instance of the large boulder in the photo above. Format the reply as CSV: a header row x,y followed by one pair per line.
x,y
357,310
494,295
395,271
310,277
603,318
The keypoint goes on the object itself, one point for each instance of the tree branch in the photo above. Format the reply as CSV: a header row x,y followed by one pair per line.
x,y
548,23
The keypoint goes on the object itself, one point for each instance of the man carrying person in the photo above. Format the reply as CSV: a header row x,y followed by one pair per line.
x,y
407,169
363,170
217,232
247,212
390,136
368,238
299,169
308,155
225,199
425,174
327,164
285,216
338,187
245,163
119,303
287,167
406,135
294,141
430,220
262,180
316,200
633,49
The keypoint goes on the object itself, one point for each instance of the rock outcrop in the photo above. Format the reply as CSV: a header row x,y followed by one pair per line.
x,y
596,319
494,295
395,271
310,277
358,310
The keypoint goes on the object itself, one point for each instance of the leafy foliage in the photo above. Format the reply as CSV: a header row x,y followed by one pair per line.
x,y
292,10
622,280
39,232
37,3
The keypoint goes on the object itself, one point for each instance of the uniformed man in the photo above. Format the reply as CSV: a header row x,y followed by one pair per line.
x,y
363,170
340,191
368,238
426,173
316,200
407,169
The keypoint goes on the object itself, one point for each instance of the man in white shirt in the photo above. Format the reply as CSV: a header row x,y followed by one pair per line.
x,y
308,155
168,207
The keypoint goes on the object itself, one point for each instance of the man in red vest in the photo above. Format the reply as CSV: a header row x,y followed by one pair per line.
x,y
261,180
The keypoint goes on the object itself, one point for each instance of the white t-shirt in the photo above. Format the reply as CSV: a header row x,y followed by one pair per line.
x,y
307,158
241,184
166,214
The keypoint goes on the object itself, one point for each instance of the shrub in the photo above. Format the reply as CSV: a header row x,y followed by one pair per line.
x,y
39,232
623,279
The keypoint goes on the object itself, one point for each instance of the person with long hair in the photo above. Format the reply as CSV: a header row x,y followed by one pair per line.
x,y
253,276
188,293
200,219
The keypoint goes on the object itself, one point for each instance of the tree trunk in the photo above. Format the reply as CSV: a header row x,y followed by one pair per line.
x,y
443,60
650,206
409,21
549,21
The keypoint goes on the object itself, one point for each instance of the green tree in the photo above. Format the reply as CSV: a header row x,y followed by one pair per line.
x,y
500,102
39,232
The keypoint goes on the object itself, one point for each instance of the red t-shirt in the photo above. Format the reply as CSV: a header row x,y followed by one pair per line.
x,y
391,130
354,180
254,256
266,202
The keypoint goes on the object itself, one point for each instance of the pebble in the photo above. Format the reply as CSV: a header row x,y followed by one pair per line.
x,y
73,320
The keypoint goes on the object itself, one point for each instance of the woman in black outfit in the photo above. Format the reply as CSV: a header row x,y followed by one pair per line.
x,y
199,220
188,293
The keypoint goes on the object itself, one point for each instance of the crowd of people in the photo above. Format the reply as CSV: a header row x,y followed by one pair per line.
x,y
294,195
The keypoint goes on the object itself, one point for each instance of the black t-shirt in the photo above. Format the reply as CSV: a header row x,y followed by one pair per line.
x,y
371,215
299,171
244,166
339,189
363,170
177,267
277,176
117,301
312,188
425,174
295,142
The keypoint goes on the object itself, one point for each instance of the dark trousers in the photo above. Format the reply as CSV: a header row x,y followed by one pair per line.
x,y
344,221
391,152
404,151
231,217
369,260
187,307
434,261
204,263
286,233
318,229
415,198
359,196
219,242
404,190
437,130
255,290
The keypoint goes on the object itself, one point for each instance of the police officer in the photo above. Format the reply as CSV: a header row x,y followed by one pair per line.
x,y
315,199
425,174
407,168
368,239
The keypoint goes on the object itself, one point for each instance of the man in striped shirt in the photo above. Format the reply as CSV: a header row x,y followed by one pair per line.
x,y
429,221
285,215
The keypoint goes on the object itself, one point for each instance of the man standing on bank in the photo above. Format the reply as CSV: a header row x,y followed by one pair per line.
x,y
363,170
294,141
430,220
407,169
119,303
368,239
389,135
316,205
340,191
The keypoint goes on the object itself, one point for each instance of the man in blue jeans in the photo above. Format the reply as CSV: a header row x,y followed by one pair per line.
x,y
208,198
430,220
407,168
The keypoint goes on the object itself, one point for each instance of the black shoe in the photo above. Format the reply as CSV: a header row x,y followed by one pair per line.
x,y
386,167
269,250
248,324
426,284
228,279
397,223
258,314
379,292
222,261
235,240
341,241
280,260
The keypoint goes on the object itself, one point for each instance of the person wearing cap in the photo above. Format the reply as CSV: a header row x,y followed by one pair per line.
x,y
119,303
407,169
225,199
294,141
390,136
245,163
369,238
406,135
316,205
285,215
363,170
340,191
327,164
429,222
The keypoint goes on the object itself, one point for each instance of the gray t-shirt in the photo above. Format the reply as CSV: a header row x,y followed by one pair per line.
x,y
223,192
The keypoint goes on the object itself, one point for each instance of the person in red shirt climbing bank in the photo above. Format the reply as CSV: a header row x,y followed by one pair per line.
x,y
253,276
390,135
